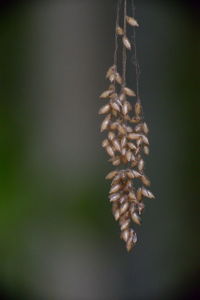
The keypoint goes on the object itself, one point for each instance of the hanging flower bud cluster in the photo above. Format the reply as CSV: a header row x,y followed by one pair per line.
x,y
126,142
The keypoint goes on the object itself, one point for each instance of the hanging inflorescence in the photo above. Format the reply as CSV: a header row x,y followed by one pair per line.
x,y
127,141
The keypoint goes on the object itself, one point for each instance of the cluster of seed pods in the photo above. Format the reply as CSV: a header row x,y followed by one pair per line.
x,y
126,143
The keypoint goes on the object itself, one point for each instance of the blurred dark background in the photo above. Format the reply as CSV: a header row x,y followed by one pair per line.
x,y
58,239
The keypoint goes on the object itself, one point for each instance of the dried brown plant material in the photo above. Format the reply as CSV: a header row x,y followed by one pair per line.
x,y
114,197
132,21
106,94
111,175
129,92
115,106
119,30
105,123
105,143
105,109
118,78
145,128
145,181
138,109
110,151
147,193
117,145
111,71
126,42
146,150
126,141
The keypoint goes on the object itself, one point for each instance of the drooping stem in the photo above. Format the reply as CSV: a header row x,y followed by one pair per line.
x,y
137,67
124,48
116,35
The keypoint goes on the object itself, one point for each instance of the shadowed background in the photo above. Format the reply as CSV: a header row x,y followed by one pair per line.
x,y
58,238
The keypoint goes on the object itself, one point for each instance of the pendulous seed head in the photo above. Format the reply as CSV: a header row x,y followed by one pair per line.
x,y
127,140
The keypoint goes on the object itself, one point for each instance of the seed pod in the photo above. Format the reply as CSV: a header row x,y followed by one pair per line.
x,y
110,151
126,42
125,224
132,21
116,145
133,235
128,155
111,175
116,215
112,77
123,151
114,197
106,94
145,140
147,193
105,123
113,96
129,244
124,207
131,146
129,92
138,127
129,185
123,199
122,96
105,109
133,174
136,218
118,78
111,135
141,207
141,165
121,129
145,181
133,136
139,194
110,71
116,179
138,109
146,150
116,161
135,120
115,188
119,30
123,142
125,235
139,142
130,174
105,143
125,109
132,196
145,128
129,129
114,125
115,106
114,113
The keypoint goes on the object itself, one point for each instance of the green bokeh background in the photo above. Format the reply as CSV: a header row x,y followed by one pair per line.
x,y
58,238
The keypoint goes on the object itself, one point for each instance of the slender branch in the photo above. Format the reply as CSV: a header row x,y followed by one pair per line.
x,y
116,35
124,48
137,67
